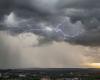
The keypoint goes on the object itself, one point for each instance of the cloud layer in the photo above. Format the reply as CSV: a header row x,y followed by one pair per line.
x,y
67,20
49,21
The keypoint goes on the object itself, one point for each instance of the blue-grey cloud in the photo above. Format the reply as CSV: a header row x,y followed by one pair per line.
x,y
75,21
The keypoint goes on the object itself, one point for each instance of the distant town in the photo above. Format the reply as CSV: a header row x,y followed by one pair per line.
x,y
50,74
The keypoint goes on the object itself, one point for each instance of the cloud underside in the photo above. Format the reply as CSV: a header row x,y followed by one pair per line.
x,y
53,21
71,21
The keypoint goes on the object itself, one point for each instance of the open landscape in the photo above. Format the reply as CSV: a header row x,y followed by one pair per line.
x,y
50,74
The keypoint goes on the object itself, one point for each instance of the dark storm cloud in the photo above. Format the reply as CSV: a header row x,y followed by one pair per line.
x,y
75,21
79,3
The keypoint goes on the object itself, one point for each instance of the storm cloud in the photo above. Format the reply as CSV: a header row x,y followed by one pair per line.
x,y
71,21
27,27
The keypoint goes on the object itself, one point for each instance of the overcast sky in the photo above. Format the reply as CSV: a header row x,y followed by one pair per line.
x,y
55,33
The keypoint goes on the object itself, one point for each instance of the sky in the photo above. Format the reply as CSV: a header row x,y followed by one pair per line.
x,y
53,34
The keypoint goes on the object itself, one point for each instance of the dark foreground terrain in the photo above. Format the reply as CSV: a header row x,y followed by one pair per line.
x,y
50,74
